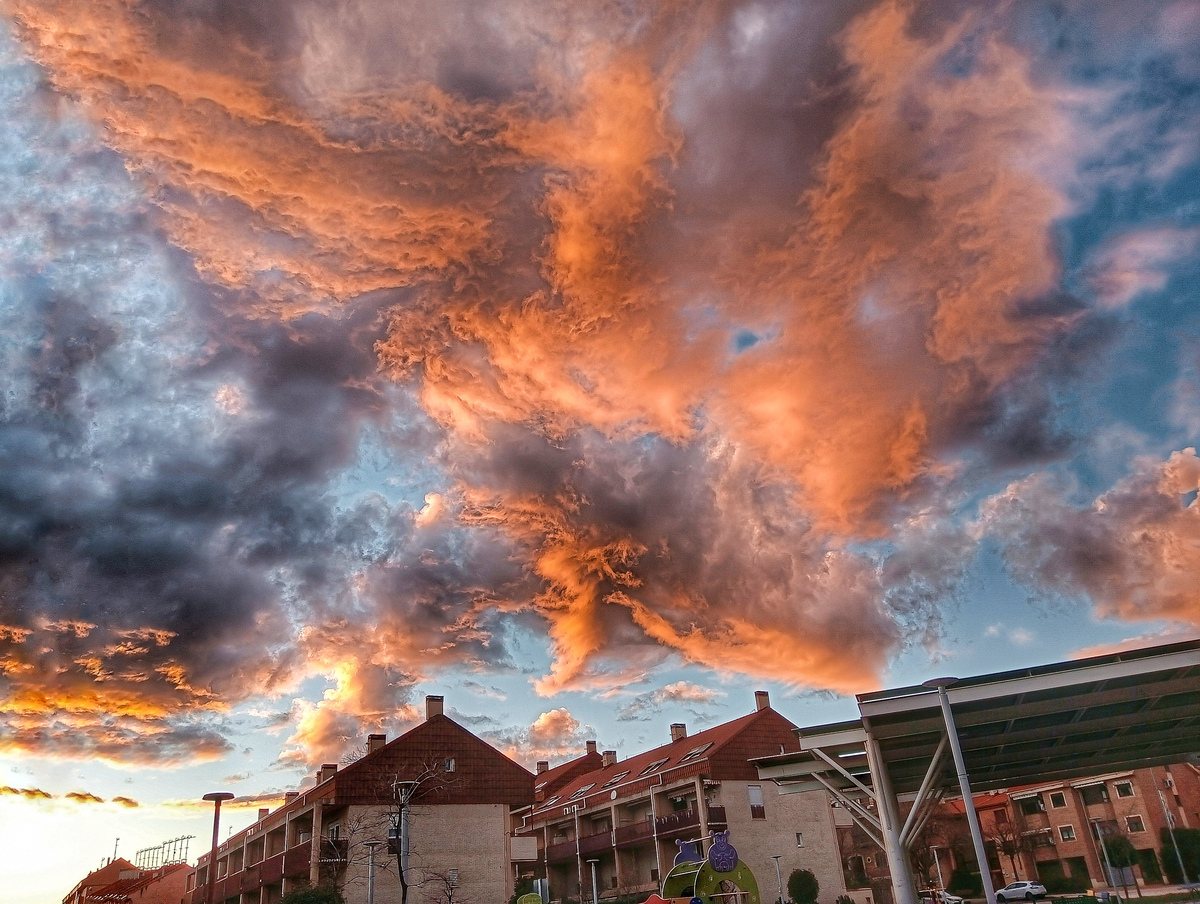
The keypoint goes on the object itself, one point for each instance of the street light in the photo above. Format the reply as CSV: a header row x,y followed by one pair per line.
x,y
371,845
216,797
595,890
778,875
933,849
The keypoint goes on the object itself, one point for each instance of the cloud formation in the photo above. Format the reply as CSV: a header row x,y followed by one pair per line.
x,y
353,340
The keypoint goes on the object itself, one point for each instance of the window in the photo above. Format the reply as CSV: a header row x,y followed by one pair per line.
x,y
694,752
757,810
555,799
582,791
1058,799
1094,794
1031,805
1124,789
654,767
1066,833
1134,824
616,778
453,873
1104,828
450,768
335,832
799,839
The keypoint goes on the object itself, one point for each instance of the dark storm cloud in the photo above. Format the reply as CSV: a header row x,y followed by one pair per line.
x,y
690,331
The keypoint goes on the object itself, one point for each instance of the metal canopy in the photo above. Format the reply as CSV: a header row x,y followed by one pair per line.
x,y
1059,721
1123,710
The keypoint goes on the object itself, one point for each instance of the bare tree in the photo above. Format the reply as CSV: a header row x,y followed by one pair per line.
x,y
1009,842
444,886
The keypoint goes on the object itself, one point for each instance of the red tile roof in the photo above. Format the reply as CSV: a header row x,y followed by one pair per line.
x,y
721,752
482,774
546,783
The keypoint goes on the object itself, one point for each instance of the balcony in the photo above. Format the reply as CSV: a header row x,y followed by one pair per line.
x,y
594,844
633,832
677,822
556,853
295,862
334,851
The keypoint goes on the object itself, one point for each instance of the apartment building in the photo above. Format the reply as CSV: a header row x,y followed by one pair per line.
x,y
1062,826
121,882
437,795
1050,831
626,818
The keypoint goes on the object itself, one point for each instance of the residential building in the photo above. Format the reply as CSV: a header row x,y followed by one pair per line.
x,y
438,792
1049,831
120,882
626,818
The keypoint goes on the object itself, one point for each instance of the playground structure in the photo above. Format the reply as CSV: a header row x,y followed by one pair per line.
x,y
718,878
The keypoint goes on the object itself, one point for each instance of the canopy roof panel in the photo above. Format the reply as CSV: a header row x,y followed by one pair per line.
x,y
1058,721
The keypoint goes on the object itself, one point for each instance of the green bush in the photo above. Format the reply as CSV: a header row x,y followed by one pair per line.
x,y
803,887
1189,848
964,882
843,899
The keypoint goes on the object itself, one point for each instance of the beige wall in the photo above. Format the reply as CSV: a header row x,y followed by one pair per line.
x,y
757,840
470,838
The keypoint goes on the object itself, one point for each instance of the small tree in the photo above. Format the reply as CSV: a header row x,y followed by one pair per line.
x,y
803,887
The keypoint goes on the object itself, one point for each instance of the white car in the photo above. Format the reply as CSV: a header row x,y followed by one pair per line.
x,y
1020,891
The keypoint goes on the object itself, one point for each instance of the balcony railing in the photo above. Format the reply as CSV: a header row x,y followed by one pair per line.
x,y
558,852
635,831
592,844
677,822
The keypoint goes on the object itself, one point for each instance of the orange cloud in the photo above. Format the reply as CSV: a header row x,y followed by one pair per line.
x,y
29,793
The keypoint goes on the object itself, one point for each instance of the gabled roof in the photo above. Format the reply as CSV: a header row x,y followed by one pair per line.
x,y
727,750
481,775
463,769
546,783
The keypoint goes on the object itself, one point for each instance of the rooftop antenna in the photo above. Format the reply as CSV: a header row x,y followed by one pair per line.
x,y
115,843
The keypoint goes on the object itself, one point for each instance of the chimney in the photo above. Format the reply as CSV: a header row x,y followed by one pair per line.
x,y
263,813
543,766
762,700
433,706
375,742
290,796
591,747
327,772
678,731
610,757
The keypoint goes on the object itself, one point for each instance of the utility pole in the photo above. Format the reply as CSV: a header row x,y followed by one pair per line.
x,y
778,875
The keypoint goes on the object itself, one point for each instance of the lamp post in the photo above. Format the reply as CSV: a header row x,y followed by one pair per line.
x,y
595,889
371,845
216,797
778,875
938,863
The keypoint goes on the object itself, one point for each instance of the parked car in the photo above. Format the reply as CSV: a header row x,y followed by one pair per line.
x,y
1020,891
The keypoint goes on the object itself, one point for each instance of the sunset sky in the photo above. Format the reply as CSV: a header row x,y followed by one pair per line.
x,y
590,363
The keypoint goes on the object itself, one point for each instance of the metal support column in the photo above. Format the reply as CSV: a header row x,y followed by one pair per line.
x,y
903,888
964,785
